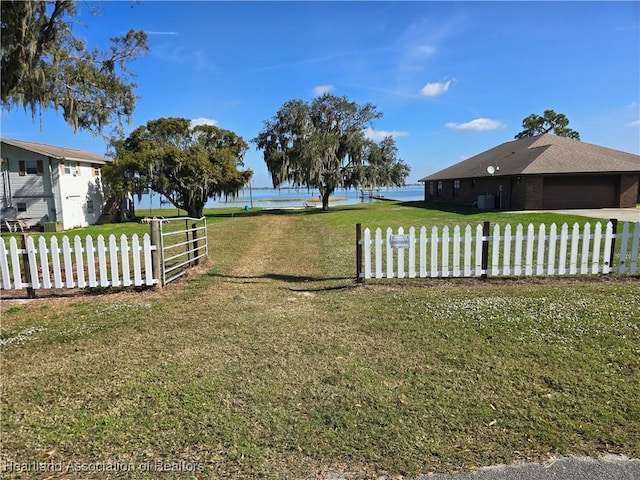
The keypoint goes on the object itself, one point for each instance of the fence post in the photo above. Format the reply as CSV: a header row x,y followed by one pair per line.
x,y
614,229
194,236
486,231
31,293
186,232
358,252
156,255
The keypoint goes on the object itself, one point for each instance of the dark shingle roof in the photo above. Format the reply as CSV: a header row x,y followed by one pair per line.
x,y
60,153
543,154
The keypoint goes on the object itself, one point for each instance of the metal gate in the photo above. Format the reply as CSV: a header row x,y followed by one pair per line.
x,y
183,243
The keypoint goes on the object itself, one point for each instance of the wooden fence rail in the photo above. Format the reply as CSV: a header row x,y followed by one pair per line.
x,y
485,251
77,262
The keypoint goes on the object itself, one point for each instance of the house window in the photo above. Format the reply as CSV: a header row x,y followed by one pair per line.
x,y
456,188
21,206
432,189
439,191
96,171
30,167
89,206
71,168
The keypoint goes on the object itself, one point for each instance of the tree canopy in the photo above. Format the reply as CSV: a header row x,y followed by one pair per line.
x,y
46,66
322,144
549,122
187,165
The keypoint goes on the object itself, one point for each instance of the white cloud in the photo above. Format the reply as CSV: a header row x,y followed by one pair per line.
x,y
203,121
378,135
435,89
479,124
161,33
635,123
422,50
322,89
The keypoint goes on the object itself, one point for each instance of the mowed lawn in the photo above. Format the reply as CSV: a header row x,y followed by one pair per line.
x,y
271,362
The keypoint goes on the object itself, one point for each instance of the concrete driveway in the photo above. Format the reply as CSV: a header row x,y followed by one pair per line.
x,y
610,467
622,214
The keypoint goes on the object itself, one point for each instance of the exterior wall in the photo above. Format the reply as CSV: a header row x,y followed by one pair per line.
x,y
81,194
629,191
533,193
33,190
52,194
528,192
505,191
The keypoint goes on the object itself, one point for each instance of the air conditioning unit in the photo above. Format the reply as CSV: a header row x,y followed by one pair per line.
x,y
52,226
486,202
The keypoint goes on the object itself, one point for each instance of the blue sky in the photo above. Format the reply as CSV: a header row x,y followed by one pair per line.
x,y
452,79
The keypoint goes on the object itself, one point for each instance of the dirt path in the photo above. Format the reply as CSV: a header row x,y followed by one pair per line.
x,y
266,243
276,251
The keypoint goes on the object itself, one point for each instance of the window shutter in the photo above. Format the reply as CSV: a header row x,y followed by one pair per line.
x,y
40,168
23,168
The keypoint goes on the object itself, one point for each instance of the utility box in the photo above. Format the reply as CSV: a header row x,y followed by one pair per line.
x,y
486,202
53,226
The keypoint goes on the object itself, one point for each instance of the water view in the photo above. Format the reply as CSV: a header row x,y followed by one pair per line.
x,y
294,197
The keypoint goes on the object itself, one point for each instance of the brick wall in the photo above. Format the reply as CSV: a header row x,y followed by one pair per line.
x,y
629,193
469,190
533,193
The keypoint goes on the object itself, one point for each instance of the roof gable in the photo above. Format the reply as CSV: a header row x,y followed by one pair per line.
x,y
59,153
543,154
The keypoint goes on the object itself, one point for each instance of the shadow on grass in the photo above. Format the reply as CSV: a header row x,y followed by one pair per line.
x,y
298,279
443,207
259,212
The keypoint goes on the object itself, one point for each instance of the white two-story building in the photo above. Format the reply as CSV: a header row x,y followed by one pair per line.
x,y
42,183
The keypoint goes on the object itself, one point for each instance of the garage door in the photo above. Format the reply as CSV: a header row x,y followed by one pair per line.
x,y
580,192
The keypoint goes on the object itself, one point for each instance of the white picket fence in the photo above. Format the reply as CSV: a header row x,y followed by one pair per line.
x,y
76,263
471,252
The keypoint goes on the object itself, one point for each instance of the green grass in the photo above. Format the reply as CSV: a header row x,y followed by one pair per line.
x,y
273,363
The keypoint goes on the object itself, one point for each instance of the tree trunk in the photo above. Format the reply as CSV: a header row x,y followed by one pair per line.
x,y
194,209
325,200
194,212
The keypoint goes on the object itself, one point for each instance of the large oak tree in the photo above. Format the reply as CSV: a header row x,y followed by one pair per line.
x,y
322,145
187,165
46,66
549,122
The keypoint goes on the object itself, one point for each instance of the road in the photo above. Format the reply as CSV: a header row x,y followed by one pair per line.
x,y
610,467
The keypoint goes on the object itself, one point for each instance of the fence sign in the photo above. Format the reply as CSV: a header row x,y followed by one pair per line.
x,y
399,241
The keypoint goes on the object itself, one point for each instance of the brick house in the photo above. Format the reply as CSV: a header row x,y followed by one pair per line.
x,y
539,173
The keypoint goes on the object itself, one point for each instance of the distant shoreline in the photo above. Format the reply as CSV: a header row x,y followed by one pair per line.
x,y
339,189
291,196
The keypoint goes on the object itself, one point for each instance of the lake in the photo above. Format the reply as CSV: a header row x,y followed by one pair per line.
x,y
293,197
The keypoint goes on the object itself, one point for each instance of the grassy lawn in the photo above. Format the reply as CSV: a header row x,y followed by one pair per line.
x,y
273,363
